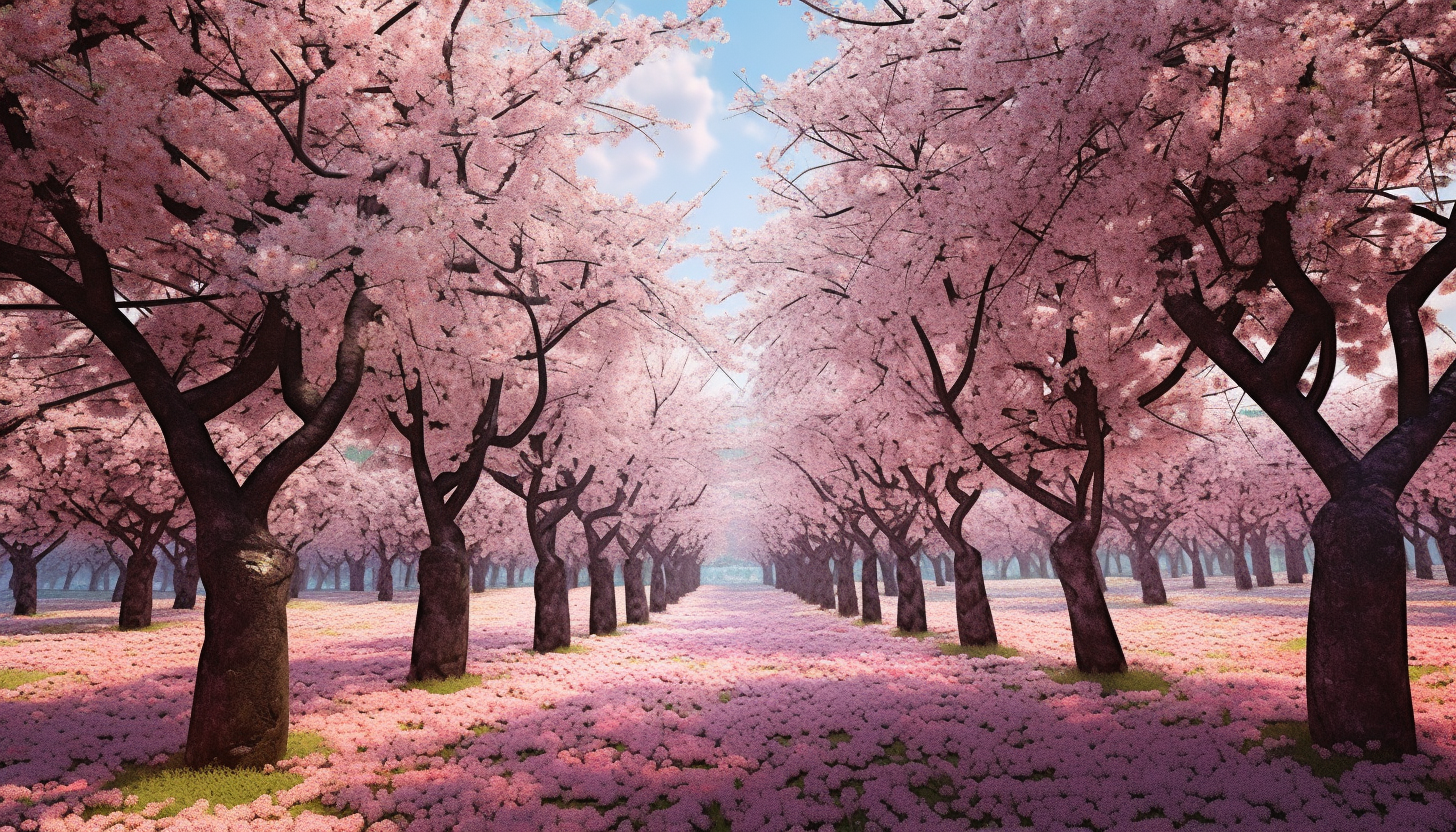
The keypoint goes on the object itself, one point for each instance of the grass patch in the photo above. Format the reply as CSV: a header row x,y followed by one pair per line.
x,y
571,648
12,679
1134,679
297,604
218,786
899,633
412,726
150,628
837,738
1304,751
1294,645
454,684
978,651
725,696
1419,670
484,728
304,743
8,642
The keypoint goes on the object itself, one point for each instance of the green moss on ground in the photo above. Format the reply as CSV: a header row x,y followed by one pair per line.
x,y
1134,679
455,684
1294,645
218,786
11,679
571,648
304,743
978,651
899,633
1306,753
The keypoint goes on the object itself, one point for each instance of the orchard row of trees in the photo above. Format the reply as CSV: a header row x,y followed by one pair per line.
x,y
1158,272
281,276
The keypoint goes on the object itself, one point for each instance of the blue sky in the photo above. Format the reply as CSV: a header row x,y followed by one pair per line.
x,y
765,39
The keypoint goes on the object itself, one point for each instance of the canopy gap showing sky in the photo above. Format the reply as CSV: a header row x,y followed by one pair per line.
x,y
697,88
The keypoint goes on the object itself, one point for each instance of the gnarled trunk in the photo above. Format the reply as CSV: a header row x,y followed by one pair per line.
x,y
658,599
1195,561
1094,639
1294,557
1242,578
1259,555
240,702
1355,665
384,578
910,606
442,618
844,581
1145,569
974,624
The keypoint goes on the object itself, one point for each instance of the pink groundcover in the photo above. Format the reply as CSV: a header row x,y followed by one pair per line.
x,y
741,709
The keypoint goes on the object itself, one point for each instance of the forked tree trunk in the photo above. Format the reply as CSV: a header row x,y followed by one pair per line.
x,y
635,590
136,594
553,608
1094,640
442,618
240,702
1356,674
603,615
869,589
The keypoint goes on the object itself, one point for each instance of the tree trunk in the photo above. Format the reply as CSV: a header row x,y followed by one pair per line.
x,y
1422,556
442,618
603,616
1145,569
844,578
1094,639
356,573
1259,554
1294,557
869,589
1242,579
889,573
479,568
937,567
136,594
23,583
910,606
635,590
510,575
974,623
240,701
553,608
1356,674
384,578
1195,561
1446,546
185,595
93,581
658,599
119,585
295,586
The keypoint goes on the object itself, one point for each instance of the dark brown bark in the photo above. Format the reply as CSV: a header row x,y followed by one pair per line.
x,y
442,618
185,590
844,580
1259,555
136,595
23,584
602,617
975,625
240,702
869,575
1355,666
632,581
384,576
1094,639
1294,556
553,610
1195,559
479,570
357,567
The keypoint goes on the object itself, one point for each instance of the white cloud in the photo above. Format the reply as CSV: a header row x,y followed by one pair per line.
x,y
678,87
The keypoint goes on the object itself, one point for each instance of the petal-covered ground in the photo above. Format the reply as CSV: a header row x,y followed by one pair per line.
x,y
744,709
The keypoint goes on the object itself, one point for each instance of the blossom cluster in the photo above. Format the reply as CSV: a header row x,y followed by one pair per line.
x,y
741,705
